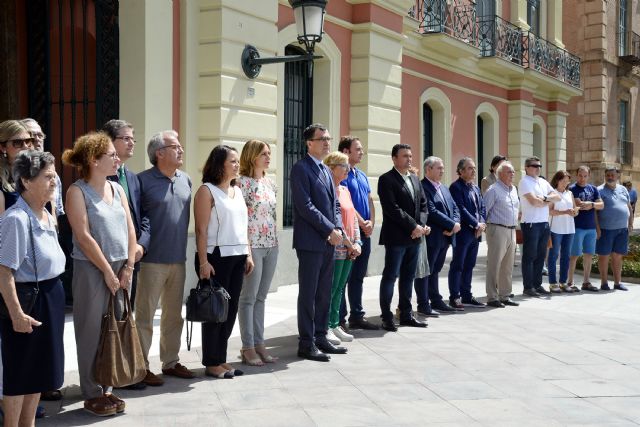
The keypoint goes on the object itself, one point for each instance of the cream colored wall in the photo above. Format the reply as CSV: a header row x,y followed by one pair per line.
x,y
146,75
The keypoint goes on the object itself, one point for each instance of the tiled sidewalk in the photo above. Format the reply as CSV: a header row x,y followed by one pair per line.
x,y
562,361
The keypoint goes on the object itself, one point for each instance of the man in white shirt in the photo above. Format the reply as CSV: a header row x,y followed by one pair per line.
x,y
535,196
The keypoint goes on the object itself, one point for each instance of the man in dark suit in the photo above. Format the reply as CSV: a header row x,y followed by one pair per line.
x,y
466,195
404,214
444,220
317,229
122,135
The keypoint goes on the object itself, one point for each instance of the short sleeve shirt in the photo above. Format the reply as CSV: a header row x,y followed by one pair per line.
x,y
615,214
167,203
358,185
535,187
585,220
16,251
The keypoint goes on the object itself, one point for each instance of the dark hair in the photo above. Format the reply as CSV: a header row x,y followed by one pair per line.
x,y
307,134
461,164
558,177
346,141
530,160
112,127
213,170
28,165
398,147
494,162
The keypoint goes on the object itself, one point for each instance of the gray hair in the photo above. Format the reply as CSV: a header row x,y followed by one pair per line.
x,y
504,165
611,169
112,127
461,164
28,165
157,142
430,161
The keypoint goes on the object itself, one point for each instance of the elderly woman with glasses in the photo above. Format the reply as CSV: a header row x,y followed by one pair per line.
x,y
30,258
14,137
104,247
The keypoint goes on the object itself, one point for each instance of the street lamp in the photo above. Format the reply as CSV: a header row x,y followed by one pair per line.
x,y
309,16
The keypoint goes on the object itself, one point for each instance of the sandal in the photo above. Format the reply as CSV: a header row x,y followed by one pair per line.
x,y
100,406
120,405
256,361
555,288
587,286
566,288
266,357
574,288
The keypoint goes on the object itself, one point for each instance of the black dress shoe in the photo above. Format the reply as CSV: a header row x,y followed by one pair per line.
x,y
388,325
363,323
510,302
531,293
472,302
312,353
430,313
542,291
326,347
496,304
442,307
413,322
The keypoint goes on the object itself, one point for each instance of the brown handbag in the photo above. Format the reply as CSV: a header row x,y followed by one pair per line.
x,y
119,361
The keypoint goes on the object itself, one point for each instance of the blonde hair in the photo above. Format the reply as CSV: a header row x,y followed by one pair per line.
x,y
250,152
86,149
336,158
8,128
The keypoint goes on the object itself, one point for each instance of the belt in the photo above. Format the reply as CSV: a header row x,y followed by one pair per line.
x,y
510,227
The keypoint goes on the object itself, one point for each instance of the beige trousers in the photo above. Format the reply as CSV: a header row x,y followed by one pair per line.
x,y
501,246
164,283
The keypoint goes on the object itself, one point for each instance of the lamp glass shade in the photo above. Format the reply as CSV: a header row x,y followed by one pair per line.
x,y
309,20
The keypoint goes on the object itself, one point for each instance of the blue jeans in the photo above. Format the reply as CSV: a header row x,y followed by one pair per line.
x,y
398,261
354,282
561,245
535,236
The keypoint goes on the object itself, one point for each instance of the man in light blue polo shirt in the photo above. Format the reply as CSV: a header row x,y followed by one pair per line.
x,y
613,225
358,186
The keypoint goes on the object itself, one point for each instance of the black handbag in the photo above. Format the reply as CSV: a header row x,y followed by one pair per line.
x,y
207,302
27,292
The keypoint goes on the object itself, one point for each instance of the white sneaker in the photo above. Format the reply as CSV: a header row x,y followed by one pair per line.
x,y
332,338
342,335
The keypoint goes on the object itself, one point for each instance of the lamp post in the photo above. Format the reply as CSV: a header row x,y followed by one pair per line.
x,y
309,16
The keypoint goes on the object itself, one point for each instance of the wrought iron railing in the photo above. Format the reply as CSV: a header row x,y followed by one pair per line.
x,y
494,36
625,151
547,58
497,37
629,46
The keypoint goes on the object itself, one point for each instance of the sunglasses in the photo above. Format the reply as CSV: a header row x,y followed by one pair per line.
x,y
19,143
534,166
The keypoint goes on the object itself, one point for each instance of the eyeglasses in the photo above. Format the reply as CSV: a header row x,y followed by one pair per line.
x,y
126,139
176,147
19,143
343,165
113,155
39,135
324,139
534,166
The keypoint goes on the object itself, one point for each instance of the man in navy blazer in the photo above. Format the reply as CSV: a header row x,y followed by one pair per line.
x,y
404,214
444,220
122,135
317,229
467,196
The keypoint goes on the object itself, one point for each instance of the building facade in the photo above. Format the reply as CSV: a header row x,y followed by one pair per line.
x,y
604,124
452,78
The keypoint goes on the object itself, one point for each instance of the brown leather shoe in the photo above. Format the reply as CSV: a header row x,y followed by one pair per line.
x,y
100,406
152,379
179,371
120,405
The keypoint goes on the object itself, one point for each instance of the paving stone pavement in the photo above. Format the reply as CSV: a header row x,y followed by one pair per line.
x,y
567,360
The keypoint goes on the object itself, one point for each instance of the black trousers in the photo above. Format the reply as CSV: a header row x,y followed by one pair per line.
x,y
215,336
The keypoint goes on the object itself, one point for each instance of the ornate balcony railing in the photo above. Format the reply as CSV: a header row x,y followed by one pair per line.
x,y
497,37
456,19
547,58
625,151
629,47
494,36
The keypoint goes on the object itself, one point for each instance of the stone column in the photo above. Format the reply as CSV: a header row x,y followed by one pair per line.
x,y
520,134
556,142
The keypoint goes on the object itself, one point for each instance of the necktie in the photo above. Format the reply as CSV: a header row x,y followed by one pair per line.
x,y
323,172
122,179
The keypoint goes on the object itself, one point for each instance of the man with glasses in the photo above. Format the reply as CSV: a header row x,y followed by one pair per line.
x,y
122,135
165,199
536,195
317,229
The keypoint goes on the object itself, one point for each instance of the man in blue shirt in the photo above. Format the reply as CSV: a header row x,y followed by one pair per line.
x,y
613,225
633,196
358,186
588,200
